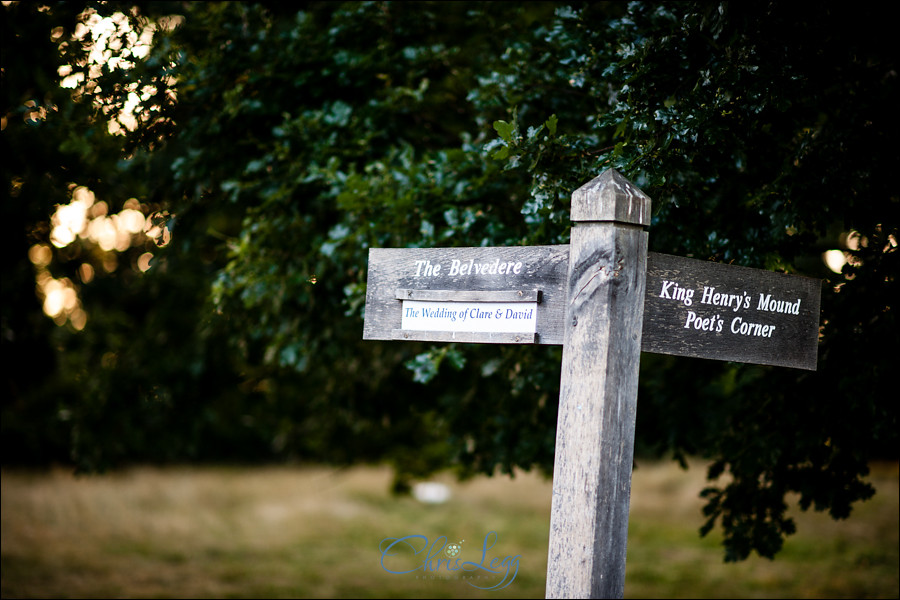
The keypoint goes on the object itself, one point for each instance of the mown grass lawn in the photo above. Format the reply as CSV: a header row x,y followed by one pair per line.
x,y
311,532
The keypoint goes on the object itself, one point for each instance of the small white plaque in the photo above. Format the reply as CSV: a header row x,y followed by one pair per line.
x,y
484,317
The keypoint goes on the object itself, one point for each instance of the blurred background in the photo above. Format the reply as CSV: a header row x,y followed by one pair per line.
x,y
191,190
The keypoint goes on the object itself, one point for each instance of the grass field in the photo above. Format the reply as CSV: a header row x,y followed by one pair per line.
x,y
315,533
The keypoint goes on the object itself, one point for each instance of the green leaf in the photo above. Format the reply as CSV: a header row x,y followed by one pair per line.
x,y
505,130
551,124
501,153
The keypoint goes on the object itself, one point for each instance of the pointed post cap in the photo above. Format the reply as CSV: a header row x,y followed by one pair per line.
x,y
611,197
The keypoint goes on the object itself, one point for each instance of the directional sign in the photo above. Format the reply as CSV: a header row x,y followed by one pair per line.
x,y
593,307
516,295
512,295
725,312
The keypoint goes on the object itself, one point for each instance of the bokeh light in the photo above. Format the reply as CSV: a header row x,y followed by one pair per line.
x,y
104,235
143,262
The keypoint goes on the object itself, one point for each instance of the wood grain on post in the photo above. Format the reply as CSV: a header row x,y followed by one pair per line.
x,y
598,391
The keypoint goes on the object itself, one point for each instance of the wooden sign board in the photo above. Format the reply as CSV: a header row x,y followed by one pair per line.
x,y
725,312
513,295
517,295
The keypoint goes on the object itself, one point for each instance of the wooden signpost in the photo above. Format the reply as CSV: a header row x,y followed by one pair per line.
x,y
605,300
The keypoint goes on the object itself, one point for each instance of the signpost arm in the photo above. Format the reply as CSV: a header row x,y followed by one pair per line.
x,y
598,390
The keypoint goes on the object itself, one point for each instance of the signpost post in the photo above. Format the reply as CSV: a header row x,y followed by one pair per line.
x,y
605,299
598,390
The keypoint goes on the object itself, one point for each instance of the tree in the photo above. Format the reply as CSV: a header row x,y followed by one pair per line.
x,y
761,132
287,142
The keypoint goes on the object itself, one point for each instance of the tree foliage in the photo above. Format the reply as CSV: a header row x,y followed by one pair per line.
x,y
288,141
